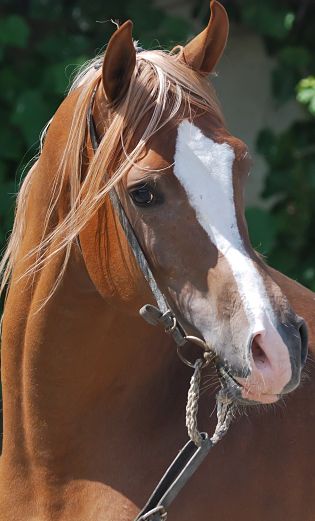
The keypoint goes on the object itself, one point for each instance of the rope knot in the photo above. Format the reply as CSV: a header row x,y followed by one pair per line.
x,y
224,409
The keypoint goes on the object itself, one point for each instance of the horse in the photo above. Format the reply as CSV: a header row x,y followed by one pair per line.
x,y
93,396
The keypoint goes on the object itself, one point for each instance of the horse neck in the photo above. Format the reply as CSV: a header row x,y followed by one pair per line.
x,y
79,356
84,356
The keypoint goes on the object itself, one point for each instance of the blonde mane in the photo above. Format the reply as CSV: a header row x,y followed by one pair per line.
x,y
161,88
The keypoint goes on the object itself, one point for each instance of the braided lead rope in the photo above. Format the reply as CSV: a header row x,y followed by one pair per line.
x,y
224,409
193,404
224,416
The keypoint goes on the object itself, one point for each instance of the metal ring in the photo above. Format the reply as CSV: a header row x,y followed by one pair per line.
x,y
200,343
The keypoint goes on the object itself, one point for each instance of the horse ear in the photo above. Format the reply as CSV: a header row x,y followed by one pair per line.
x,y
206,49
119,62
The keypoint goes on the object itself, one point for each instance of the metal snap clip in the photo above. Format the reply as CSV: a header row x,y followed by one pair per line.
x,y
157,510
172,327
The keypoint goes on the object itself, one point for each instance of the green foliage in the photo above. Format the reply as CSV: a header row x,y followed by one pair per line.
x,y
306,93
288,237
262,229
14,31
290,184
266,18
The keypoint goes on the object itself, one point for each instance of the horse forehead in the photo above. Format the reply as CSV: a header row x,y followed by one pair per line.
x,y
208,134
210,148
207,170
162,148
164,144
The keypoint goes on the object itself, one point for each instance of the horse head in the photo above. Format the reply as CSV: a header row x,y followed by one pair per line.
x,y
183,194
180,176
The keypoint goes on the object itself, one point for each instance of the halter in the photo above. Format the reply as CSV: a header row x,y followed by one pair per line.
x,y
195,451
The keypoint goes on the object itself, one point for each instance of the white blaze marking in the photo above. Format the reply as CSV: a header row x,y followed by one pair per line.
x,y
204,169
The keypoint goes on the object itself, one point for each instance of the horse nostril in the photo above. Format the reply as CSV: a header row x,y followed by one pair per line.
x,y
259,356
304,341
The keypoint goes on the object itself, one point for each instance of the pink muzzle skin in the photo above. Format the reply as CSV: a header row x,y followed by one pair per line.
x,y
270,365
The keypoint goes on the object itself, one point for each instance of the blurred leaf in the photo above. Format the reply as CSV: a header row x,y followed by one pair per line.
x,y
11,146
283,262
296,57
266,143
30,115
284,81
57,77
289,20
145,17
306,93
266,19
7,197
38,9
10,83
262,229
310,172
311,106
174,30
14,31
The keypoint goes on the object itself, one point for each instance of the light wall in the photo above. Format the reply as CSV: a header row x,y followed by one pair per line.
x,y
244,88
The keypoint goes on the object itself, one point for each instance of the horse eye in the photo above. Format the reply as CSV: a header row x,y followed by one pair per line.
x,y
142,195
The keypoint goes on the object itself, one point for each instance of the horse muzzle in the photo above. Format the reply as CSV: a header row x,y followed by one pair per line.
x,y
276,356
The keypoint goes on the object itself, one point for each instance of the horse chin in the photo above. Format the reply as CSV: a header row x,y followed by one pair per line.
x,y
242,395
254,398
